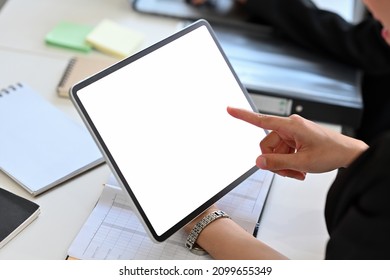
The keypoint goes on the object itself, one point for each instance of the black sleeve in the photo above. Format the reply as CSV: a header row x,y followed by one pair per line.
x,y
357,208
360,45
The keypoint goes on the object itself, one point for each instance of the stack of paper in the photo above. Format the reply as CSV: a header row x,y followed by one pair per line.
x,y
113,230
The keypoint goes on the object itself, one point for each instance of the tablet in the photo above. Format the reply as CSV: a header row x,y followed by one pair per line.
x,y
160,120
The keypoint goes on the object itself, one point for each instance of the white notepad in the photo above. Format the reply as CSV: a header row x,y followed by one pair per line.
x,y
41,147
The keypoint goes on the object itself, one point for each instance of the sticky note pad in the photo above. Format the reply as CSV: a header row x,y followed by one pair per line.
x,y
70,35
114,39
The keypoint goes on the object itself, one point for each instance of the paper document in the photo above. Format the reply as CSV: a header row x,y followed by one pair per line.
x,y
113,231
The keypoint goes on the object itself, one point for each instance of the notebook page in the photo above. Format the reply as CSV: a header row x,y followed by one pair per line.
x,y
40,146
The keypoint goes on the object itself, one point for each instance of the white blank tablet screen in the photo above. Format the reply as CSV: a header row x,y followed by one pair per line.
x,y
162,119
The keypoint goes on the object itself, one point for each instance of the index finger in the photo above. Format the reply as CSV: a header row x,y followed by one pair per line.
x,y
260,120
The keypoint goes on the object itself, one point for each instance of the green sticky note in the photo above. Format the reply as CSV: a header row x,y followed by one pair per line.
x,y
70,35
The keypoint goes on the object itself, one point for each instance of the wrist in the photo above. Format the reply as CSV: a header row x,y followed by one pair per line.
x,y
355,149
192,239
188,227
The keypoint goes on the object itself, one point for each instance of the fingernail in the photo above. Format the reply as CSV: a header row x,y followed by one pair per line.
x,y
261,162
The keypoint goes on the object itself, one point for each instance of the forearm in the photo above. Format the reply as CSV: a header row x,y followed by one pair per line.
x,y
224,239
358,45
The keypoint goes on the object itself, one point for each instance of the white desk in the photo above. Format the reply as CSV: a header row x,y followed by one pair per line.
x,y
292,222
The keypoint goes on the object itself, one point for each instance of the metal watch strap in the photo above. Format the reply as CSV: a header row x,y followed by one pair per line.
x,y
193,236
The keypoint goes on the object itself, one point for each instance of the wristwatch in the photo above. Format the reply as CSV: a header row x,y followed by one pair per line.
x,y
193,236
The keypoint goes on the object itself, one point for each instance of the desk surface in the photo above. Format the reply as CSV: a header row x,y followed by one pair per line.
x,y
292,221
23,24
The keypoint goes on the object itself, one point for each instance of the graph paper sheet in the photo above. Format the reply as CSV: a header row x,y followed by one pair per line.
x,y
114,232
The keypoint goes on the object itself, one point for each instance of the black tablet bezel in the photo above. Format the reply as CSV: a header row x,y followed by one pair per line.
x,y
111,161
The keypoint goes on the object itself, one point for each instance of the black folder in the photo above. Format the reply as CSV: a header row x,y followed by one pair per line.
x,y
285,79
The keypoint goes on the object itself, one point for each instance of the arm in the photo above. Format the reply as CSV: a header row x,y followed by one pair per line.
x,y
360,45
357,208
224,239
296,145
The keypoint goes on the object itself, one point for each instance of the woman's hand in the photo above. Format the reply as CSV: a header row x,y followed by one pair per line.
x,y
296,146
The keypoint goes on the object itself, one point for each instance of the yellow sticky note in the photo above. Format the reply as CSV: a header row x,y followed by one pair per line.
x,y
114,39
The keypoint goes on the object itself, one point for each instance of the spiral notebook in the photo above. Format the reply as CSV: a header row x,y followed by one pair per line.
x,y
79,68
40,146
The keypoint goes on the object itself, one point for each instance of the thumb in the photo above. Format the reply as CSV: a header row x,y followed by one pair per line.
x,y
276,162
